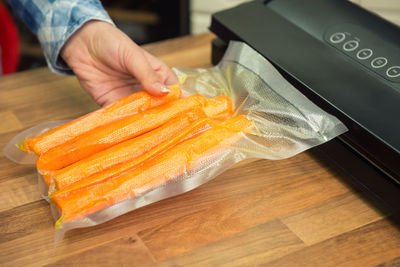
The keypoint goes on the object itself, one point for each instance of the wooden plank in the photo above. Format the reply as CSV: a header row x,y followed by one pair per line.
x,y
40,94
18,192
221,188
183,52
23,221
60,109
190,56
239,213
35,77
391,263
127,251
331,218
9,122
254,246
10,170
31,241
224,189
369,245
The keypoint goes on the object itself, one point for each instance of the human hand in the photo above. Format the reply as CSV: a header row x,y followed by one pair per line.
x,y
109,65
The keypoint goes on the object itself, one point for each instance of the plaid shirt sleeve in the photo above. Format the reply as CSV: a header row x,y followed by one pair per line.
x,y
54,21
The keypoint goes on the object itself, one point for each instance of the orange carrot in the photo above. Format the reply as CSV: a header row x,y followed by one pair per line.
x,y
189,132
219,107
124,151
126,106
113,133
152,173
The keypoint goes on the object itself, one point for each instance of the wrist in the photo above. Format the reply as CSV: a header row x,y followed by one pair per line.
x,y
79,42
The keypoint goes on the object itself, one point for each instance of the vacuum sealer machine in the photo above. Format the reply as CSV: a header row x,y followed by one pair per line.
x,y
347,61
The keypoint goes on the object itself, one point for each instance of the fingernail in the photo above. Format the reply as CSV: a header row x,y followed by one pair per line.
x,y
162,88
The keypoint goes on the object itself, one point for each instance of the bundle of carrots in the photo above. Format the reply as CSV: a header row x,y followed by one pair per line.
x,y
131,146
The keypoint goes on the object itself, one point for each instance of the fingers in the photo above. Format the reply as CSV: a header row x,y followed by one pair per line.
x,y
113,95
170,77
106,59
138,65
167,76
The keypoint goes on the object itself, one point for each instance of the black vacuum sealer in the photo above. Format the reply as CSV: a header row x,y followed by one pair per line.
x,y
347,61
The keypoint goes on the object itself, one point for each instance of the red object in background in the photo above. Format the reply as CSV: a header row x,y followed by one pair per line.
x,y
9,42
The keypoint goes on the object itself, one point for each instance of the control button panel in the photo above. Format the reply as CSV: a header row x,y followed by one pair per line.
x,y
379,62
366,49
337,37
364,53
393,72
350,45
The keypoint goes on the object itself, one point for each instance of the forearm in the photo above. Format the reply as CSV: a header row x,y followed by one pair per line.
x,y
55,21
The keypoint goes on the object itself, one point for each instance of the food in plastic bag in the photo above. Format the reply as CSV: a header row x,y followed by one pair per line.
x,y
270,120
126,106
190,131
219,107
124,151
110,134
170,164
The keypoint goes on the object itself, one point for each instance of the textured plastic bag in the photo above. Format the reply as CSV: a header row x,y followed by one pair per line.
x,y
285,124
12,152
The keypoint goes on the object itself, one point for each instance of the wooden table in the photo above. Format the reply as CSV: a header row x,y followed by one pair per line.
x,y
294,212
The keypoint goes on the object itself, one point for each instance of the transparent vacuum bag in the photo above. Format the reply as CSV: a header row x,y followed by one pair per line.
x,y
284,123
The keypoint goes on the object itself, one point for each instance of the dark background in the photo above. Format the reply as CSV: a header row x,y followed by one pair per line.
x,y
144,21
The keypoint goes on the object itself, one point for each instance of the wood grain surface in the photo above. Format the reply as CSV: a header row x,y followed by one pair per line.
x,y
294,212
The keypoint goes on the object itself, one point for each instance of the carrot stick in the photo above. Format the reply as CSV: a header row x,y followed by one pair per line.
x,y
113,133
189,132
219,107
152,173
126,106
124,151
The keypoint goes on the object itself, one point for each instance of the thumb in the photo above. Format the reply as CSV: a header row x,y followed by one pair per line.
x,y
138,65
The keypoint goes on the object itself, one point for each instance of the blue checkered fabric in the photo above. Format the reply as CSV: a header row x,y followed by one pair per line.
x,y
54,21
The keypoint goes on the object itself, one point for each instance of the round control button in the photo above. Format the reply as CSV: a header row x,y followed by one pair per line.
x,y
337,37
393,72
364,53
379,62
350,45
